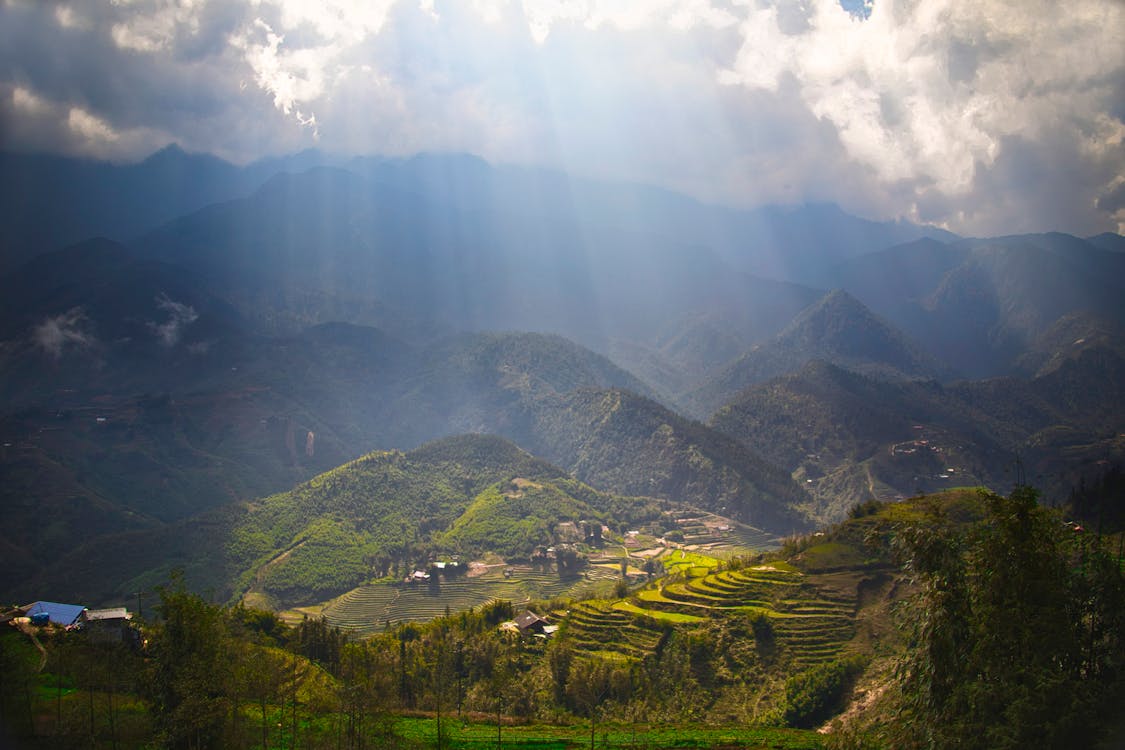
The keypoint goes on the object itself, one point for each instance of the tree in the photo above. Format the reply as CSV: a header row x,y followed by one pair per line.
x,y
1020,631
188,681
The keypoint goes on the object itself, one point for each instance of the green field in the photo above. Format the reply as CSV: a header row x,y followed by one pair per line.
x,y
473,735
367,609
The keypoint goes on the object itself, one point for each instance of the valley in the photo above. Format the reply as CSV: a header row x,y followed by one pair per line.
x,y
637,478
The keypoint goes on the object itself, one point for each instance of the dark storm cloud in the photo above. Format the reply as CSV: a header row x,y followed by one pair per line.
x,y
971,114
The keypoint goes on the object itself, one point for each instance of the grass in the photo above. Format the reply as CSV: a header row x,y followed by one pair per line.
x,y
473,735
673,617
831,555
366,609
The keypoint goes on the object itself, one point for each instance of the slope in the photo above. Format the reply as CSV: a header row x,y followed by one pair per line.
x,y
849,437
981,304
624,443
838,328
92,315
391,510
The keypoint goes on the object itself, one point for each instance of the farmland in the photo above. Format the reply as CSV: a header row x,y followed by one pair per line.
x,y
368,609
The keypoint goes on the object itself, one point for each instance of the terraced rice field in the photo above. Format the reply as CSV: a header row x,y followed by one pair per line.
x,y
597,628
812,616
367,609
708,531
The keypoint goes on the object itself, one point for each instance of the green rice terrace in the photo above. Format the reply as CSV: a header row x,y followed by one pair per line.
x,y
811,617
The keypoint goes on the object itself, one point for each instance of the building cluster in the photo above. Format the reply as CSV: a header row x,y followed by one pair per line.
x,y
112,625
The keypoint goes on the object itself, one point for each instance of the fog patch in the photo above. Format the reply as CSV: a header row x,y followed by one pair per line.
x,y
180,316
58,333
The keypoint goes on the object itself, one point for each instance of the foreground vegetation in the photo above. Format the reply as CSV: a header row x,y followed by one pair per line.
x,y
973,620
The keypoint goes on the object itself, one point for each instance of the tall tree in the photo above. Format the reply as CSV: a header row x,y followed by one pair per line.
x,y
1020,631
191,668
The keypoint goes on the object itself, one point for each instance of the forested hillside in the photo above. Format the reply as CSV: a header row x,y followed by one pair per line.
x,y
455,499
850,437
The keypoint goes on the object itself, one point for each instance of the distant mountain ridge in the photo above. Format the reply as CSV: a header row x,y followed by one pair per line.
x,y
47,202
980,304
849,437
838,328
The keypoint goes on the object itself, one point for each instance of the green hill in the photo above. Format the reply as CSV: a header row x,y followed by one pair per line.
x,y
622,442
391,513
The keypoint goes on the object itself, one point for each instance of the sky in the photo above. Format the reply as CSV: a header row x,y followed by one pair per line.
x,y
982,116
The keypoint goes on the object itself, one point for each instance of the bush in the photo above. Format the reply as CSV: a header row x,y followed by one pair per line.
x,y
813,696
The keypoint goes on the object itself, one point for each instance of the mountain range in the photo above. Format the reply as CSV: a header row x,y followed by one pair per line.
x,y
248,328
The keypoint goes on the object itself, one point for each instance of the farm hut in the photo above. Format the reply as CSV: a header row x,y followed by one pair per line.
x,y
63,615
107,625
529,622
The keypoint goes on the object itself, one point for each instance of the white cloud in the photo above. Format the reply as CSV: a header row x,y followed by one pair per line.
x,y
67,18
337,22
929,91
152,25
90,127
297,73
58,333
290,76
180,316
28,101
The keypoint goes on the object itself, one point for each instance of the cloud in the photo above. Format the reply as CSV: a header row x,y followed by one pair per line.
x,y
180,316
984,116
62,332
153,25
932,92
89,127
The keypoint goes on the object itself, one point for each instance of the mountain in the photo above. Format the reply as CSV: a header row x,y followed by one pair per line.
x,y
1067,338
460,496
621,442
839,329
306,311
47,202
1108,241
849,437
269,413
456,243
980,304
94,317
579,411
695,347
790,243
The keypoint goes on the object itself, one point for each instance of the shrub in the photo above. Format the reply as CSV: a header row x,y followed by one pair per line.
x,y
813,696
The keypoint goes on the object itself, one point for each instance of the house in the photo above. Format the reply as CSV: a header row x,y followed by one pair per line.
x,y
529,622
63,615
107,625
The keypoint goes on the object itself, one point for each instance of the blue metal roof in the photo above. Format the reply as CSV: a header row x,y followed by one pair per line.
x,y
60,614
